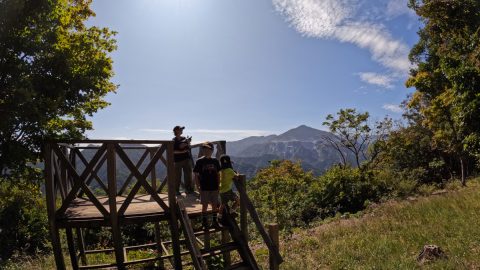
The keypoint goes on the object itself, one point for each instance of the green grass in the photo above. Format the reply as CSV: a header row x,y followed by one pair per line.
x,y
388,236
391,236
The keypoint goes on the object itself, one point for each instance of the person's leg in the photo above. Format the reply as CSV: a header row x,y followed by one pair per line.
x,y
204,202
214,202
187,176
178,176
236,201
221,208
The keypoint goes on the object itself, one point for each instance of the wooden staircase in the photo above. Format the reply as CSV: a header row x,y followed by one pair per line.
x,y
200,251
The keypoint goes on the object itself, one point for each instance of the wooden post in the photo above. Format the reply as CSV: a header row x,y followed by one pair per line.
x,y
153,173
224,147
273,233
243,208
73,160
64,174
81,246
112,201
71,248
172,202
158,239
51,208
227,258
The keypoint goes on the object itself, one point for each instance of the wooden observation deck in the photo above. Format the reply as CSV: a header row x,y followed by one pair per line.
x,y
85,188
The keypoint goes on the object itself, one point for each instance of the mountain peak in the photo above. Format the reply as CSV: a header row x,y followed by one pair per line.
x,y
302,133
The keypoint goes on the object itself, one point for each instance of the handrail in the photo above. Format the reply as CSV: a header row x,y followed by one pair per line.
x,y
254,215
190,237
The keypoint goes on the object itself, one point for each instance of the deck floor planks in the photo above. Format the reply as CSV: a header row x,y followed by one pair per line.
x,y
82,209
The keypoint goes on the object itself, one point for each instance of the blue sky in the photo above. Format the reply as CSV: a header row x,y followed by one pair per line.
x,y
228,69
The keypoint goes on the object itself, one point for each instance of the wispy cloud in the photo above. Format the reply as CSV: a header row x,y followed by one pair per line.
x,y
339,19
393,108
398,7
201,134
385,81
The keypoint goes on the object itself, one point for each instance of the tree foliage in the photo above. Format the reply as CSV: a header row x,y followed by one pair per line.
x,y
355,135
280,193
54,72
447,75
23,219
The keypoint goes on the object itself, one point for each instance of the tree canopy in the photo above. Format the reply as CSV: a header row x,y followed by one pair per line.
x,y
55,70
447,75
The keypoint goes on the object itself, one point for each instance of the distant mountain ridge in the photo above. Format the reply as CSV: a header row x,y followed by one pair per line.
x,y
302,143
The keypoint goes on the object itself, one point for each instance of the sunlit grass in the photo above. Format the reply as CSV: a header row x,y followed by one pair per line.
x,y
392,235
389,236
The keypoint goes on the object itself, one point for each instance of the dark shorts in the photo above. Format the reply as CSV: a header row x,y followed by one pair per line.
x,y
209,196
229,196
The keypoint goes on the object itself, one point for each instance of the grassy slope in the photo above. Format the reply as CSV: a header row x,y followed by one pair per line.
x,y
391,236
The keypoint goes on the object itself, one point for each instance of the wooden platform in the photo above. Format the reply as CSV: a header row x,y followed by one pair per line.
x,y
82,212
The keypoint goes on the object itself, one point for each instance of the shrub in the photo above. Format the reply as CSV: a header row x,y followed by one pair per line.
x,y
280,193
23,220
346,189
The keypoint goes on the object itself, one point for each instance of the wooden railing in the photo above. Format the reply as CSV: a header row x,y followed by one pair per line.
x,y
70,175
246,206
190,237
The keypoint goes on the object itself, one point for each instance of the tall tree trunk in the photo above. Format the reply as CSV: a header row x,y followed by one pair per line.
x,y
462,169
357,159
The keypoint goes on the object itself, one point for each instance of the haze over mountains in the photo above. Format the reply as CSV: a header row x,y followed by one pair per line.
x,y
303,143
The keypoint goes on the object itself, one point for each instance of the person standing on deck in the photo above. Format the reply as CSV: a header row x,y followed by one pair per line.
x,y
207,179
182,160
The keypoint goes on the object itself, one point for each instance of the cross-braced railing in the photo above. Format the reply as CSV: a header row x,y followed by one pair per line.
x,y
88,172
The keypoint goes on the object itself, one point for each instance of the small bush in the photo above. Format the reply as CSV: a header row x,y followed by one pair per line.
x,y
23,220
346,190
281,194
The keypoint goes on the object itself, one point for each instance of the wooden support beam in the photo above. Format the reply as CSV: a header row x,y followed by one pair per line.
x,y
93,175
241,181
71,248
130,176
238,237
227,257
156,225
80,181
163,184
64,174
51,207
190,238
175,233
141,179
81,246
59,180
273,233
254,215
112,194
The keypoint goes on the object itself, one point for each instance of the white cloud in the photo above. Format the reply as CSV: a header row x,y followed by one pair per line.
x,y
210,134
337,19
393,108
377,79
398,7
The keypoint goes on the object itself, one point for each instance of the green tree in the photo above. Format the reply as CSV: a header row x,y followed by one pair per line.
x,y
355,135
447,76
280,193
54,72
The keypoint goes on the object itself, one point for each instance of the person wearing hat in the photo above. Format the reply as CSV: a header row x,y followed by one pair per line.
x,y
207,179
182,160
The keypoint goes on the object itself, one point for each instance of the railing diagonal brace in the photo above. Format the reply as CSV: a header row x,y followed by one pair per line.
x,y
80,180
141,179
